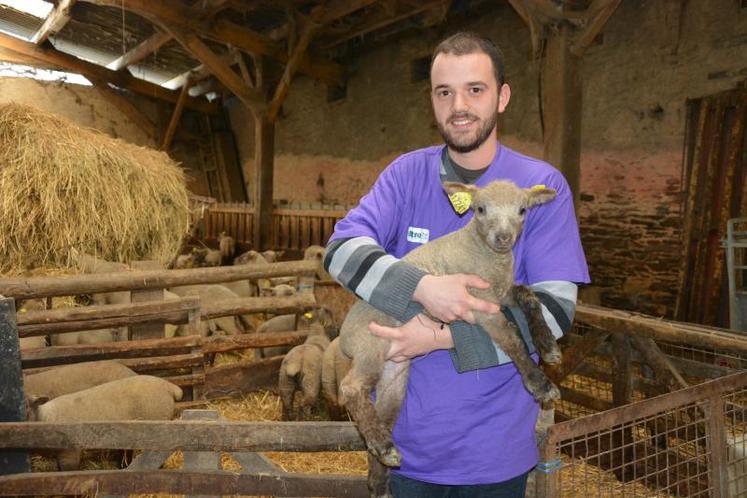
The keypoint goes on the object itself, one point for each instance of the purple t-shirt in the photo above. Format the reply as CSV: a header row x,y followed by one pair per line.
x,y
474,427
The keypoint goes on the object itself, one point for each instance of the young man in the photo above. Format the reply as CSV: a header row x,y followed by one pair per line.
x,y
466,427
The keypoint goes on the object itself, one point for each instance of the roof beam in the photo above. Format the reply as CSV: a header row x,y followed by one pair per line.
x,y
223,31
216,65
600,10
55,21
93,71
140,51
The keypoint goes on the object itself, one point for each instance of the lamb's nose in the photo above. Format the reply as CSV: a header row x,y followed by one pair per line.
x,y
503,238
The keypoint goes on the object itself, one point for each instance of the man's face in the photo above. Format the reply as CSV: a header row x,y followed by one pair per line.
x,y
465,99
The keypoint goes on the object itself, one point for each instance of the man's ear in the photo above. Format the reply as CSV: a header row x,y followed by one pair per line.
x,y
540,195
454,187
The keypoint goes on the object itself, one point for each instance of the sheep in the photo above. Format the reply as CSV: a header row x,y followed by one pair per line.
x,y
290,322
27,343
227,246
92,264
98,336
58,381
141,397
335,365
482,247
317,253
184,261
210,294
272,256
301,370
281,290
250,258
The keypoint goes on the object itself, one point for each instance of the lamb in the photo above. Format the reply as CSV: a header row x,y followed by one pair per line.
x,y
67,379
317,253
301,370
27,343
92,264
141,397
482,247
98,336
210,294
281,290
335,366
285,323
227,246
250,258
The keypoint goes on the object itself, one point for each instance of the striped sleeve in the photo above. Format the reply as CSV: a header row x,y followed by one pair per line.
x,y
558,298
360,265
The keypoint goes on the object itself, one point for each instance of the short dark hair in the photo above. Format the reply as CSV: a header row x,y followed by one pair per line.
x,y
466,42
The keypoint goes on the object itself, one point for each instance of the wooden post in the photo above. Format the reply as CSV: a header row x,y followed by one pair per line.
x,y
561,104
264,152
201,460
11,395
150,330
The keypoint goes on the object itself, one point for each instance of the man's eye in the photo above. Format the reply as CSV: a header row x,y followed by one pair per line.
x,y
443,93
475,90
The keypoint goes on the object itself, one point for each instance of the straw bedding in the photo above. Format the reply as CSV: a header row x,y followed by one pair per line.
x,y
63,186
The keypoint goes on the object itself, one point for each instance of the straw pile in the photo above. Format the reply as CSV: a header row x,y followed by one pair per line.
x,y
63,186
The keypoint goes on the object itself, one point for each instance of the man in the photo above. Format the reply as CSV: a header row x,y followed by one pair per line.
x,y
466,427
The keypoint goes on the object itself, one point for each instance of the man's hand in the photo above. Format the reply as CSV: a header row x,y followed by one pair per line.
x,y
419,336
447,297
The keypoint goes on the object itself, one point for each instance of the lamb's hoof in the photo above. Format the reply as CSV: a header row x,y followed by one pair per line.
x,y
553,357
391,457
549,392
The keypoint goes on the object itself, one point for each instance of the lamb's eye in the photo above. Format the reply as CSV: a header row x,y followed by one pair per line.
x,y
522,211
480,209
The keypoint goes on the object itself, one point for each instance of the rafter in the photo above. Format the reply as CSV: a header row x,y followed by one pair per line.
x,y
140,51
600,10
225,32
193,44
176,116
55,21
290,69
87,69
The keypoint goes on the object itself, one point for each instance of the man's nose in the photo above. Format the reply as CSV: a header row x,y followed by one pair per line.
x,y
460,102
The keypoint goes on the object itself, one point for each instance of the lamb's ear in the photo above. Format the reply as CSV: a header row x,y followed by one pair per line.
x,y
540,195
454,187
34,401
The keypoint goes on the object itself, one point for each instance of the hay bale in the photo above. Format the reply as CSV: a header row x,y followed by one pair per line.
x,y
63,186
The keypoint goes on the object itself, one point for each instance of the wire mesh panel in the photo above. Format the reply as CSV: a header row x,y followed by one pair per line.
x,y
688,443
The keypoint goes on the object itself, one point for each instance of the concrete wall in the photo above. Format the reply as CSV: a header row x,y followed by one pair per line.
x,y
636,82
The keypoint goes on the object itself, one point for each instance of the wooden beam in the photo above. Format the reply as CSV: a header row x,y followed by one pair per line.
x,y
140,51
562,109
182,17
16,58
264,157
193,44
183,482
31,287
185,436
55,21
281,91
601,11
126,107
576,355
176,116
94,71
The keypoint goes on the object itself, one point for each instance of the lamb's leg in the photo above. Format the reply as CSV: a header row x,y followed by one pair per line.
x,y
390,391
541,333
508,338
355,391
311,384
378,478
287,388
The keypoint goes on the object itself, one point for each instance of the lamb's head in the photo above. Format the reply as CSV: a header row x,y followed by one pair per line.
x,y
499,209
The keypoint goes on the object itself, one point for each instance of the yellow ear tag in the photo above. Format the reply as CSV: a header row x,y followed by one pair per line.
x,y
460,201
538,187
308,315
22,310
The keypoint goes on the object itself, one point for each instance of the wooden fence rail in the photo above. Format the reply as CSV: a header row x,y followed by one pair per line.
x,y
293,227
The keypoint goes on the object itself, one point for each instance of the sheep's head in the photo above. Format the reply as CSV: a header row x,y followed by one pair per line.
x,y
499,209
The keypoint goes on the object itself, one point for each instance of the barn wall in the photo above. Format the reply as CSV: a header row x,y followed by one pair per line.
x,y
636,85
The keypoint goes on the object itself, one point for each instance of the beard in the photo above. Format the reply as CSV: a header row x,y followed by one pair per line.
x,y
464,144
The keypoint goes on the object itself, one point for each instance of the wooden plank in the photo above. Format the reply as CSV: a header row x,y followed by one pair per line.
x,y
242,377
148,330
576,355
11,395
140,51
603,10
256,463
201,460
622,386
27,288
55,21
183,435
181,482
176,116
121,79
